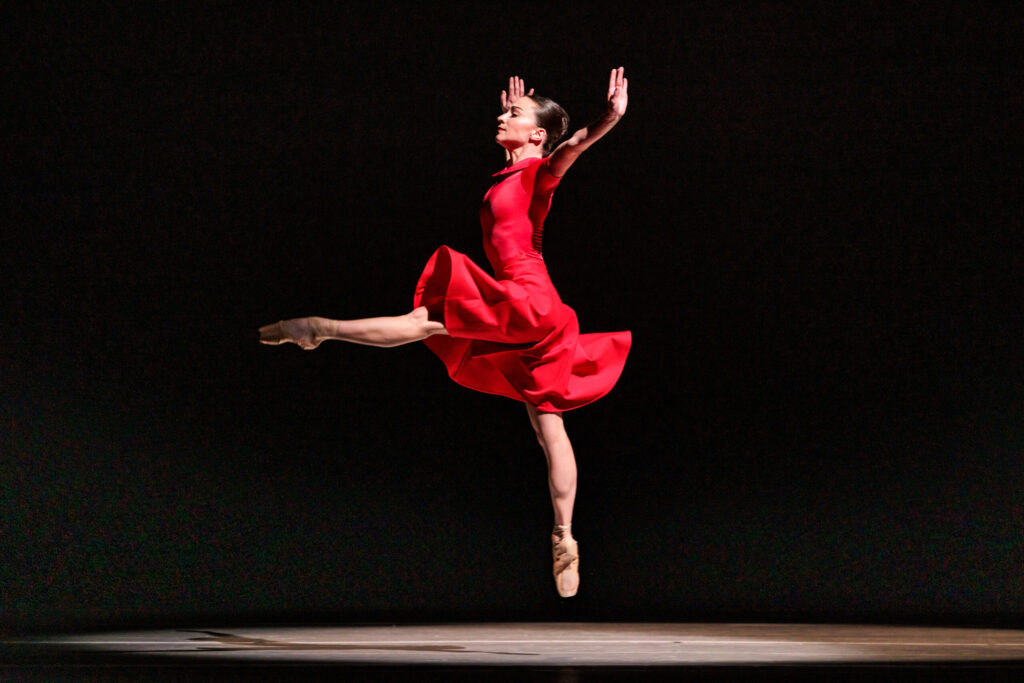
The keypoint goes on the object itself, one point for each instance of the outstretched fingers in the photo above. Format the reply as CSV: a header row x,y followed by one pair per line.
x,y
618,86
508,97
522,88
516,89
616,80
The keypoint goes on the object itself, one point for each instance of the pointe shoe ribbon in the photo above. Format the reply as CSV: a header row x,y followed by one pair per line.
x,y
567,565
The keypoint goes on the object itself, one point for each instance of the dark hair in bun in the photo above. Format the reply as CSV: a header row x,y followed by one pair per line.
x,y
552,118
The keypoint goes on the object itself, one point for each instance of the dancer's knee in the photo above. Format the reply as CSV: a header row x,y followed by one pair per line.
x,y
539,433
421,326
551,431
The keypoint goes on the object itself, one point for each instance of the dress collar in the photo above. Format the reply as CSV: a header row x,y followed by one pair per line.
x,y
519,165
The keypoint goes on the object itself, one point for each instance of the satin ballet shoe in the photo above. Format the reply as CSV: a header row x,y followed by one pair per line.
x,y
272,334
567,566
301,333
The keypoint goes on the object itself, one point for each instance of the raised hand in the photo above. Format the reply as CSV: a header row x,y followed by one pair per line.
x,y
618,97
515,91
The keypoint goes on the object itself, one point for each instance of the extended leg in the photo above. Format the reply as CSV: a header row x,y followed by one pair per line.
x,y
385,332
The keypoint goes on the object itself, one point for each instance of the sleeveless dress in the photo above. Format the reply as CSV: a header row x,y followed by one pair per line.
x,y
511,334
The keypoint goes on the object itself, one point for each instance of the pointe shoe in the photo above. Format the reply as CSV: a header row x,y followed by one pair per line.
x,y
567,566
272,334
296,331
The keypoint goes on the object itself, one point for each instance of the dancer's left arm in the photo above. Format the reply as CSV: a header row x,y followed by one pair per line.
x,y
566,153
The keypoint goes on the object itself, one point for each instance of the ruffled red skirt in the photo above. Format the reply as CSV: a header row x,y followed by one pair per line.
x,y
513,336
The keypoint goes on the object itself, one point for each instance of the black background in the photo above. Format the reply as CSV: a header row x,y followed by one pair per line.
x,y
809,220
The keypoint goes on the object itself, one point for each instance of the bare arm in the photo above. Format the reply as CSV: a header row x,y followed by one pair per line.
x,y
566,153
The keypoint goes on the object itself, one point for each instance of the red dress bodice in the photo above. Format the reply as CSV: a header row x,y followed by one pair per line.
x,y
513,211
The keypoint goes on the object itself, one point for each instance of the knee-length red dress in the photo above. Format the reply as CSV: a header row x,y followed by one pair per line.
x,y
511,334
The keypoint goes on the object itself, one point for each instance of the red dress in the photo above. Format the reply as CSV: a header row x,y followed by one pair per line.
x,y
511,334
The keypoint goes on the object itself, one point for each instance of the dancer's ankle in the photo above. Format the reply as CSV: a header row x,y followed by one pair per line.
x,y
317,328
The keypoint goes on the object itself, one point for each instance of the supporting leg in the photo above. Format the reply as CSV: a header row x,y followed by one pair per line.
x,y
384,332
550,430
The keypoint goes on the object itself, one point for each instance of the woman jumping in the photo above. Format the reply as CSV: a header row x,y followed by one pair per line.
x,y
509,334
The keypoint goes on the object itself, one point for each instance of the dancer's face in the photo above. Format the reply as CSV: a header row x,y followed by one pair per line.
x,y
518,126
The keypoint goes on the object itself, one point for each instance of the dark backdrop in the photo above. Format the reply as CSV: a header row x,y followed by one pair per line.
x,y
809,220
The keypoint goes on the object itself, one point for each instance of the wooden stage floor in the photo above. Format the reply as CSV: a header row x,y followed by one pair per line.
x,y
581,647
556,644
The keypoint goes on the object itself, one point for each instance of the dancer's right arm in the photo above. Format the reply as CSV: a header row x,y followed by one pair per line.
x,y
516,88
